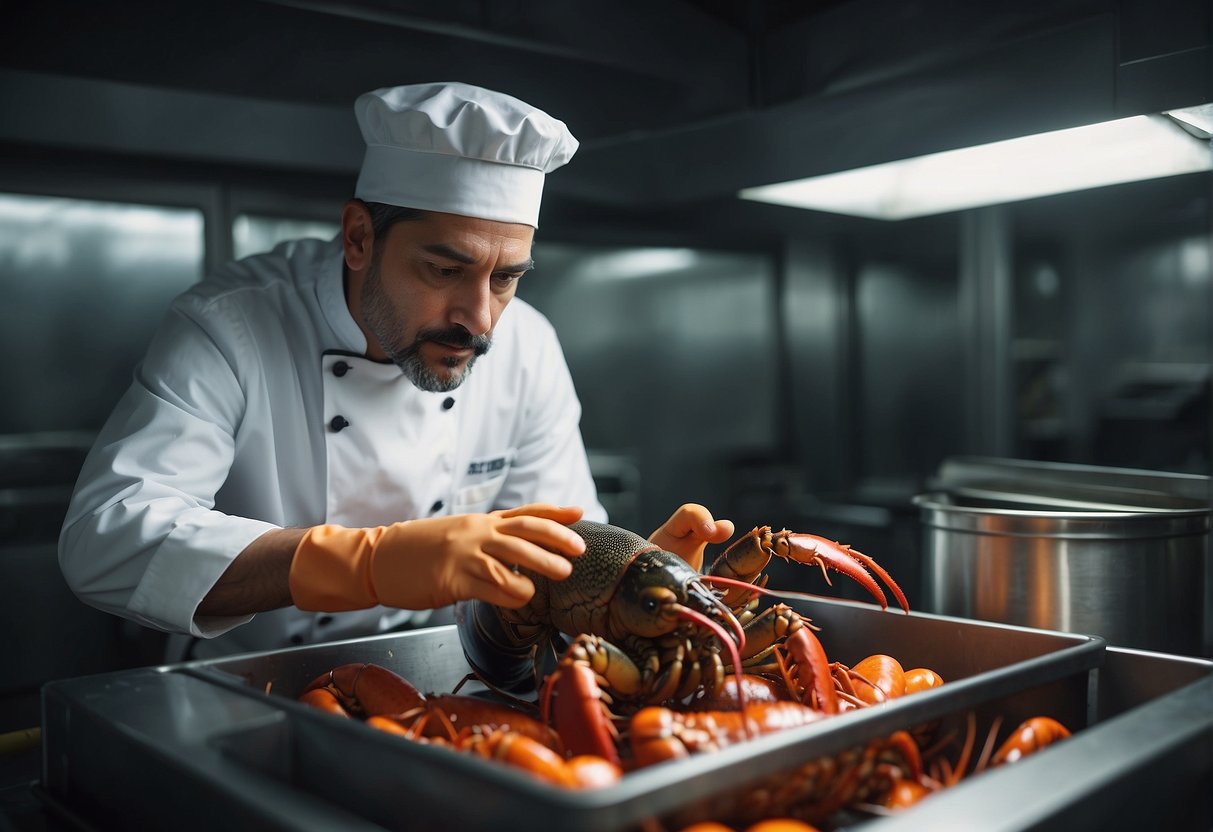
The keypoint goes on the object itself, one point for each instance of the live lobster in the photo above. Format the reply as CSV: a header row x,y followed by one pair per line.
x,y
1030,736
648,629
491,730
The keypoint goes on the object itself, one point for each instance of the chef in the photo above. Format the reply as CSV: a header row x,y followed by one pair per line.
x,y
334,438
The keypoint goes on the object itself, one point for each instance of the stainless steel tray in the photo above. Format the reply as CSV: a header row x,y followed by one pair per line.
x,y
228,735
1146,762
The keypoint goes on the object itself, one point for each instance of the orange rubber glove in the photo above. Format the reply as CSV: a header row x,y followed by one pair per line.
x,y
430,563
688,532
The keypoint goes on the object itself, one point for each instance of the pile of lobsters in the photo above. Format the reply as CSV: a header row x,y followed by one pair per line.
x,y
638,657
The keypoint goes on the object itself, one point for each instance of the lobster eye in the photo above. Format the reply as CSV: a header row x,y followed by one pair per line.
x,y
653,599
649,612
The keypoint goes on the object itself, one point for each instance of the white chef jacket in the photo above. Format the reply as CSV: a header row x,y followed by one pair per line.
x,y
255,409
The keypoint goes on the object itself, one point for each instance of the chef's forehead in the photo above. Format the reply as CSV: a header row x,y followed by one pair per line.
x,y
460,238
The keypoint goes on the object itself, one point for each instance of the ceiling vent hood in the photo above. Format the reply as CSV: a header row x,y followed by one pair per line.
x,y
676,102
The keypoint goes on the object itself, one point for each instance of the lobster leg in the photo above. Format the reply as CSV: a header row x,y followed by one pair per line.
x,y
765,631
910,757
781,631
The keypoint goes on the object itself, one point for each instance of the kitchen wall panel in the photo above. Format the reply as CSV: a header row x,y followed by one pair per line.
x,y
85,283
909,381
674,356
1113,326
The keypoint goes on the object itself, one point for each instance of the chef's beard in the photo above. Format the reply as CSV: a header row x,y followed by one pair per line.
x,y
385,325
410,362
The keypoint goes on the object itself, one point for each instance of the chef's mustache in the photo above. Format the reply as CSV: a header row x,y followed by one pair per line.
x,y
458,337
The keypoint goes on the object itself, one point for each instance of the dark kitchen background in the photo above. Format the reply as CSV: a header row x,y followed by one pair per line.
x,y
782,366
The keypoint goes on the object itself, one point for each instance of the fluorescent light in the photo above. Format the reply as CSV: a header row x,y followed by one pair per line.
x,y
1125,150
627,264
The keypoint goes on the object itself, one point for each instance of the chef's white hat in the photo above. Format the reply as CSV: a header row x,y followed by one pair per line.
x,y
458,149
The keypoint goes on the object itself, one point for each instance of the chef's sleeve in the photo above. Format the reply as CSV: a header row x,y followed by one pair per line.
x,y
141,538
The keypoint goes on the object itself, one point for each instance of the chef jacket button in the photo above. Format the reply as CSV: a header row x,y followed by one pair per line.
x,y
339,423
324,620
296,639
340,369
448,403
437,506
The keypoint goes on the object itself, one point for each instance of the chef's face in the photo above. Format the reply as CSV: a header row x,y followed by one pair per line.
x,y
432,289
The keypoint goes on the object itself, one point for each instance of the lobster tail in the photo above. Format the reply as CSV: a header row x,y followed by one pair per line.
x,y
497,657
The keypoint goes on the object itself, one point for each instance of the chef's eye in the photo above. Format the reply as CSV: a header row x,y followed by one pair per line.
x,y
504,282
445,271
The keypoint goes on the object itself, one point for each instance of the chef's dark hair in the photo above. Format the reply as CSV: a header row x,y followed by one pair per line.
x,y
384,216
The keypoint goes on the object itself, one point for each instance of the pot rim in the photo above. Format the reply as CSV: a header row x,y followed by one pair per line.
x,y
1037,506
939,512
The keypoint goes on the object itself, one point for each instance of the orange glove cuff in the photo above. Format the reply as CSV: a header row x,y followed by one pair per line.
x,y
331,570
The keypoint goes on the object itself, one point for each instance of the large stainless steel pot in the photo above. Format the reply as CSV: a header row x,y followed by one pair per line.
x,y
1095,556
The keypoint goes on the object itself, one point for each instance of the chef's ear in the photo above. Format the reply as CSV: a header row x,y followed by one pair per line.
x,y
357,234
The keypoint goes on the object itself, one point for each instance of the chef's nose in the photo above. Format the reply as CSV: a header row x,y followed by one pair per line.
x,y
473,306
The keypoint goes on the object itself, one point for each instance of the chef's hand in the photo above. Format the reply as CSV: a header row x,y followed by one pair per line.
x,y
688,532
430,563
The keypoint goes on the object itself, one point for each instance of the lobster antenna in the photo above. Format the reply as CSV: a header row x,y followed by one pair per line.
x,y
728,616
734,653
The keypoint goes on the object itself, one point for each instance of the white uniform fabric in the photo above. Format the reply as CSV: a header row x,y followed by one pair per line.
x,y
231,428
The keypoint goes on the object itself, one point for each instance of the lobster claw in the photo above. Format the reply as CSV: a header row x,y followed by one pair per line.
x,y
1031,736
579,716
362,688
828,554
813,669
495,654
